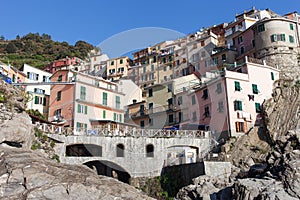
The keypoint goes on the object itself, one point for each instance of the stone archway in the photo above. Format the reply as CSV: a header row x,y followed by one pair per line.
x,y
110,169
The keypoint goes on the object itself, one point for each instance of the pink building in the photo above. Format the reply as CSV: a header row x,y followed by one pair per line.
x,y
230,104
85,102
62,64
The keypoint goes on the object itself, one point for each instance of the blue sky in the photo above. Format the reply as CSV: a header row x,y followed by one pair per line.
x,y
96,20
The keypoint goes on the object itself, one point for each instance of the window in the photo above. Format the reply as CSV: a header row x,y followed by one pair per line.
x,y
240,39
238,105
180,114
257,108
104,114
206,111
150,150
203,54
112,62
170,102
152,67
219,88
179,100
291,27
45,79
36,100
32,76
150,122
104,98
272,76
194,118
195,45
273,38
142,124
237,86
253,43
171,118
57,113
121,61
82,93
277,37
170,87
164,60
254,89
193,100
291,39
150,92
151,107
142,109
39,91
261,28
81,126
242,50
170,58
115,117
205,94
223,57
120,150
118,102
220,106
202,43
59,79
165,78
165,68
240,126
170,67
120,117
81,109
58,96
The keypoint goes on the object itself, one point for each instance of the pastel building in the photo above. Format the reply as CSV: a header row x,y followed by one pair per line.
x,y
13,73
65,63
229,104
116,68
39,89
85,102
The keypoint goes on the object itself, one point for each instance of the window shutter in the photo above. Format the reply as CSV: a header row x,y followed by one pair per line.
x,y
78,108
237,86
272,76
44,101
115,116
237,127
85,109
254,89
36,100
104,114
240,105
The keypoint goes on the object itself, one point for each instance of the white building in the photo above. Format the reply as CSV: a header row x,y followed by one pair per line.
x,y
39,93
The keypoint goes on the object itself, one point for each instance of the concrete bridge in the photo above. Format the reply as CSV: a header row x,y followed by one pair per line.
x,y
138,153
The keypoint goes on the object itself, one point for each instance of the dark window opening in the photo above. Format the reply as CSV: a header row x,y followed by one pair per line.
x,y
150,150
120,150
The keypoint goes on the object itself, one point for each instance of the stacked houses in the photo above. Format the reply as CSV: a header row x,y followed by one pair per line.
x,y
214,79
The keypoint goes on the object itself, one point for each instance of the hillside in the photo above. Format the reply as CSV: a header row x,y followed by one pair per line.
x,y
39,50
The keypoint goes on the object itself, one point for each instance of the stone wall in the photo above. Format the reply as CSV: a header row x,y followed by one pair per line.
x,y
135,161
217,169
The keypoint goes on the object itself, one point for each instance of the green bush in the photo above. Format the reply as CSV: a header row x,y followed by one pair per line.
x,y
56,157
52,144
36,145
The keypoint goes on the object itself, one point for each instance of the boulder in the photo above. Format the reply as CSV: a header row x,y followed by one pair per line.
x,y
26,175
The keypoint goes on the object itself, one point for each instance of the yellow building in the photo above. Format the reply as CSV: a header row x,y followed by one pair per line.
x,y
117,68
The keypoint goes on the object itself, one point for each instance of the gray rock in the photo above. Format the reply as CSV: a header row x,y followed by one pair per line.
x,y
27,175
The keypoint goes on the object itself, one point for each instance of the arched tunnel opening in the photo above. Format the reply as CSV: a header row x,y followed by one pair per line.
x,y
110,169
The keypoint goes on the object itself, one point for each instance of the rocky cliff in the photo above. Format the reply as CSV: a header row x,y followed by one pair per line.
x,y
27,174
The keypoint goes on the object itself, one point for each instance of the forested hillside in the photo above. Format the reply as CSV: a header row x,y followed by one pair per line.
x,y
39,50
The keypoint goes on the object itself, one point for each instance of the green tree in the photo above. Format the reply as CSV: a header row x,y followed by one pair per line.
x,y
11,48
